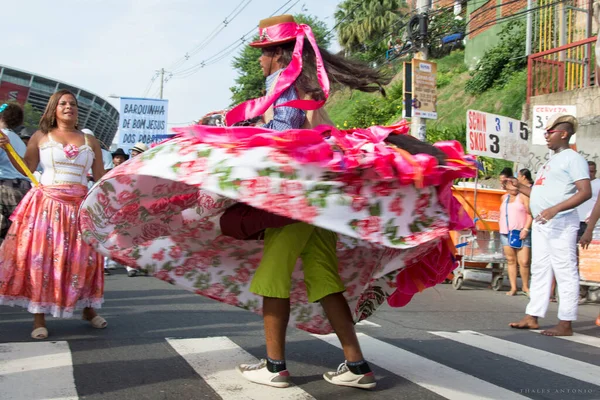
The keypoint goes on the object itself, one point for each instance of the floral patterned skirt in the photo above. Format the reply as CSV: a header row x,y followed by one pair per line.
x,y
161,210
45,266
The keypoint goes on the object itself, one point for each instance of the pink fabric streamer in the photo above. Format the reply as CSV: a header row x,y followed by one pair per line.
x,y
429,270
346,151
256,107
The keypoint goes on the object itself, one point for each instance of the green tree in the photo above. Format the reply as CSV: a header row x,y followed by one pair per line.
x,y
502,61
361,24
443,24
250,82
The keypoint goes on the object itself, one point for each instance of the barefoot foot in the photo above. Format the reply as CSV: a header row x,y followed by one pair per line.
x,y
562,329
528,322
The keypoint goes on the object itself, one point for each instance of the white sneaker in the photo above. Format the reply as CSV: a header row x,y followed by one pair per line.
x,y
344,377
258,373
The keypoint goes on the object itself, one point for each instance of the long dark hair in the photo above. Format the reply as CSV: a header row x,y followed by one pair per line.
x,y
354,75
527,175
340,70
48,120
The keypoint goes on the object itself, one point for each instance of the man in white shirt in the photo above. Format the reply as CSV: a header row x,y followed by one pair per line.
x,y
561,185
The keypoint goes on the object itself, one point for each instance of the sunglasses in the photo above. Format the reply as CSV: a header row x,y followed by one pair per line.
x,y
550,132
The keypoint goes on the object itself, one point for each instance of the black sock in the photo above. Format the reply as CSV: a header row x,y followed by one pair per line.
x,y
275,365
359,367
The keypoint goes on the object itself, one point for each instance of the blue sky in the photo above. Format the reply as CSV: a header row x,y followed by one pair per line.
x,y
115,46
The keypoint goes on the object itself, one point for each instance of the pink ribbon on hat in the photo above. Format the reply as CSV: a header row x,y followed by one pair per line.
x,y
256,107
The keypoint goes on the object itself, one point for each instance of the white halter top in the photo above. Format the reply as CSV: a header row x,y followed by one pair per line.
x,y
65,165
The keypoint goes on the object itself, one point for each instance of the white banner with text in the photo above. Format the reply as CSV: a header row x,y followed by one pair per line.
x,y
142,120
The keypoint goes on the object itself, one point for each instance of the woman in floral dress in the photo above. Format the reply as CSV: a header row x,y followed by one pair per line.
x,y
45,266
391,208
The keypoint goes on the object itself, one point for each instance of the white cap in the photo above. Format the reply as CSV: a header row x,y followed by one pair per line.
x,y
88,131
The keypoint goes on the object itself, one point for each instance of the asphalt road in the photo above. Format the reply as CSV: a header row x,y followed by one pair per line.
x,y
166,343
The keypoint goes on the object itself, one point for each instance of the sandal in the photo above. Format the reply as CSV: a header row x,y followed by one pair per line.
x,y
97,322
39,333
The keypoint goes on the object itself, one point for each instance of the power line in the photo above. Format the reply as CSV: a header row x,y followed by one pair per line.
x,y
150,84
342,20
182,74
228,19
481,10
219,56
517,14
224,52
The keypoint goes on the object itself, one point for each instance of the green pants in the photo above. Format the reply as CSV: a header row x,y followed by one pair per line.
x,y
315,246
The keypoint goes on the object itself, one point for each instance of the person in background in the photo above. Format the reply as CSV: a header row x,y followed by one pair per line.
x,y
138,149
562,184
524,177
588,234
13,185
515,215
505,175
106,156
119,157
584,212
585,209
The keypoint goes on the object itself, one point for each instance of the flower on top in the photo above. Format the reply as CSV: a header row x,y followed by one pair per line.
x,y
71,151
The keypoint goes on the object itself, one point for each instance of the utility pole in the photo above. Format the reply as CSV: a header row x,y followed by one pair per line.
x,y
418,125
162,81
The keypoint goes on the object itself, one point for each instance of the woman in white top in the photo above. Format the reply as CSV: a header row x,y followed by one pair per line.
x,y
45,266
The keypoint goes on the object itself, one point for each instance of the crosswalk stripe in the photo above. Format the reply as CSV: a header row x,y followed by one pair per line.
x,y
578,338
539,358
214,358
438,378
364,322
34,371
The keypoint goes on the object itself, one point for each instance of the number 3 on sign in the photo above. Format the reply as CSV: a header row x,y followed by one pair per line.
x,y
495,147
539,123
498,125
